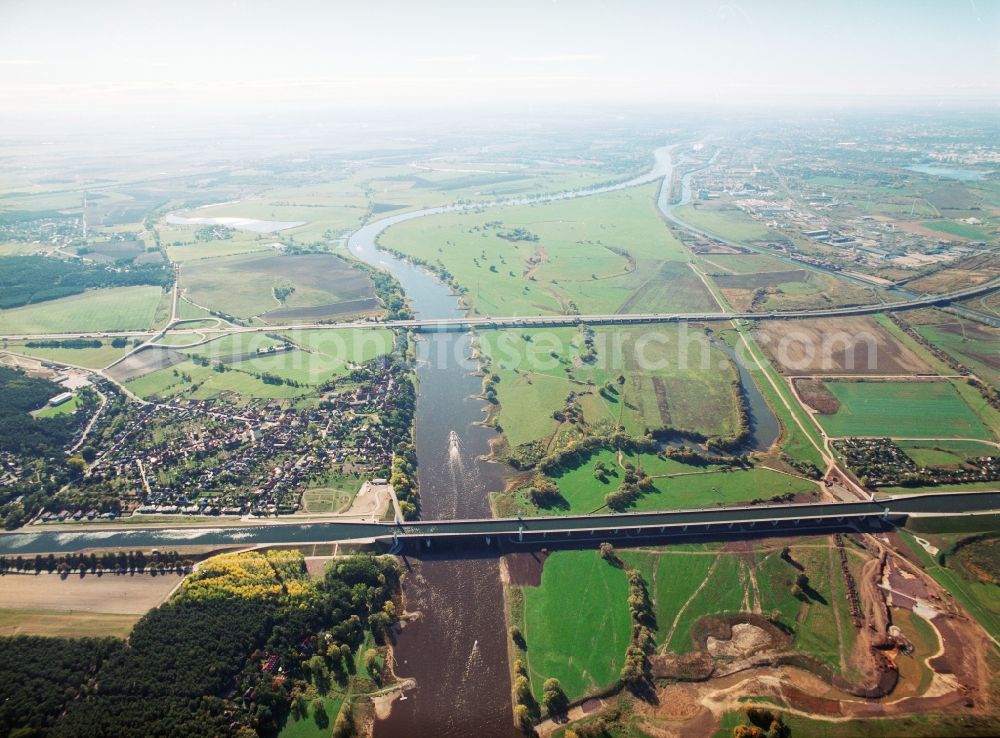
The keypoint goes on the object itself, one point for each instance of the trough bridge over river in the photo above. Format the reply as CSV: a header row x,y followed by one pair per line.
x,y
505,534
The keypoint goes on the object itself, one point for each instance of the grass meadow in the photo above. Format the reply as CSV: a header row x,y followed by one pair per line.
x,y
576,624
673,377
603,254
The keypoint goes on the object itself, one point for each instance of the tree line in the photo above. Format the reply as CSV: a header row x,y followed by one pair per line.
x,y
26,280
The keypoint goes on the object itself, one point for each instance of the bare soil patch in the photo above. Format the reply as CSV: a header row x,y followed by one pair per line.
x,y
145,361
856,345
968,273
525,569
815,394
673,702
745,640
322,312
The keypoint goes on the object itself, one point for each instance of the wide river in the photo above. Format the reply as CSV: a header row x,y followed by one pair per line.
x,y
457,649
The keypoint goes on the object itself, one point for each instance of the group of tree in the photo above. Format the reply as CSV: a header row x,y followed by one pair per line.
x,y
635,483
544,493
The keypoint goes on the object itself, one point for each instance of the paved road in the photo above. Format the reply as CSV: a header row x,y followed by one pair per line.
x,y
464,323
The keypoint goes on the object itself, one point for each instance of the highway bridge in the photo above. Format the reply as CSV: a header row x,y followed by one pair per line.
x,y
505,534
549,321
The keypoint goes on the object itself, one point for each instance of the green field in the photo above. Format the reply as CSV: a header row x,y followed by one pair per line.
x,y
114,309
692,487
951,227
675,486
307,727
63,408
206,383
577,623
332,492
673,377
945,453
89,358
903,409
720,220
602,254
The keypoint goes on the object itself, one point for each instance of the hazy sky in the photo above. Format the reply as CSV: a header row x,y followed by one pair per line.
x,y
183,55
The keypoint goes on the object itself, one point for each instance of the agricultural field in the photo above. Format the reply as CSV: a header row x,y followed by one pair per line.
x,y
723,220
46,604
916,409
975,345
603,254
64,624
114,309
800,439
953,228
673,377
196,382
945,453
856,345
279,288
183,247
576,624
319,355
89,358
977,269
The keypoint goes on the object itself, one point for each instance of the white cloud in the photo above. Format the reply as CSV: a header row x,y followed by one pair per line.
x,y
447,59
18,62
558,58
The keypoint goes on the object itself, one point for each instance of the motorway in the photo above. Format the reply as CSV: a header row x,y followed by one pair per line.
x,y
491,322
473,535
